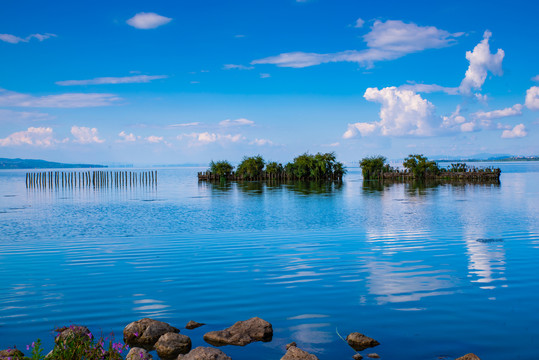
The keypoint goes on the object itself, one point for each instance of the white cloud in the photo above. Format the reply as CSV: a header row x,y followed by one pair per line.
x,y
35,136
12,39
73,100
481,61
457,122
535,78
154,139
359,23
532,98
359,128
206,137
185,124
146,21
113,80
403,112
386,41
237,122
261,142
85,135
125,137
430,88
237,67
264,75
497,114
10,115
517,132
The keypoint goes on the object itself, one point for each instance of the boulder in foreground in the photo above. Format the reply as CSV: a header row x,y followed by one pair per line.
x,y
137,353
241,333
170,345
360,342
204,353
11,354
72,332
144,333
295,353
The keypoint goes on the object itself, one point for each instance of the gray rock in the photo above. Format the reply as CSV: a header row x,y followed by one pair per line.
x,y
360,342
470,356
73,332
241,333
373,356
144,333
11,354
204,353
137,353
357,357
170,345
193,325
295,353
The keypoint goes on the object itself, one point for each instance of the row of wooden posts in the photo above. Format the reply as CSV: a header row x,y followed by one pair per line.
x,y
94,178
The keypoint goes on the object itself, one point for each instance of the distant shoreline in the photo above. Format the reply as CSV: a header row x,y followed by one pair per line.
x,y
13,164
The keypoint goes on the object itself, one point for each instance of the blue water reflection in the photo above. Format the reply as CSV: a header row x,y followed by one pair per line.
x,y
399,262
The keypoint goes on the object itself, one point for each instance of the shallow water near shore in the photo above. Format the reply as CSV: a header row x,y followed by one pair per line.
x,y
429,272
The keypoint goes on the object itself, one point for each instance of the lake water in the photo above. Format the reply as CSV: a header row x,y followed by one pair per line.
x,y
398,263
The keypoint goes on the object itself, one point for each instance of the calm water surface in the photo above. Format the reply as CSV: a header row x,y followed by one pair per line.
x,y
399,263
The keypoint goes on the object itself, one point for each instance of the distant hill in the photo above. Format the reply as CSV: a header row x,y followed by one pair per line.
x,y
485,157
40,164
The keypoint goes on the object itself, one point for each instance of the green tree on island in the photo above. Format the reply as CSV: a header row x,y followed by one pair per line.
x,y
221,168
372,166
273,167
420,166
251,167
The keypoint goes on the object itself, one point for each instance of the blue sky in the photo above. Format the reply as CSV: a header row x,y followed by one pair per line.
x,y
186,82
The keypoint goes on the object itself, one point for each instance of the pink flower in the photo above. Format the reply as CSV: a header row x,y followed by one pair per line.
x,y
136,334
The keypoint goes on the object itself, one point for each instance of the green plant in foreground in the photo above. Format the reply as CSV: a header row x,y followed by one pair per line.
x,y
78,346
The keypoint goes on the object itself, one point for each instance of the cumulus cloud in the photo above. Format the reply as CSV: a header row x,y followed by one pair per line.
x,y
73,100
237,67
85,135
237,122
147,21
261,142
532,98
360,128
403,112
125,137
359,23
154,139
12,39
34,136
457,122
517,132
497,114
481,61
206,137
113,80
386,41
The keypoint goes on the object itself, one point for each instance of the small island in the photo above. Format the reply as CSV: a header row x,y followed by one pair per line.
x,y
419,167
319,167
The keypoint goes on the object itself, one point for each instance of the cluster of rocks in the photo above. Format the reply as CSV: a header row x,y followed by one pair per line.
x,y
146,335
